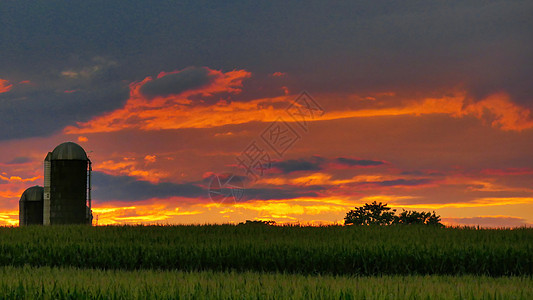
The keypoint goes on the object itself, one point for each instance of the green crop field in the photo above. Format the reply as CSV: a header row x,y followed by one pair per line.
x,y
258,261
71,283
305,250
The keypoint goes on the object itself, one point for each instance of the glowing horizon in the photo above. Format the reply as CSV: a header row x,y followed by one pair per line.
x,y
329,106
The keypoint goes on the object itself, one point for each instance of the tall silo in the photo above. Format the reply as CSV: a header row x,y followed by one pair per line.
x,y
31,206
65,191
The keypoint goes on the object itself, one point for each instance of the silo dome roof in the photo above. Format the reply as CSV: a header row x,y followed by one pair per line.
x,y
69,151
35,193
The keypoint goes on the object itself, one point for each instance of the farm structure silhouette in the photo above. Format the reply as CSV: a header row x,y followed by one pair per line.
x,y
66,195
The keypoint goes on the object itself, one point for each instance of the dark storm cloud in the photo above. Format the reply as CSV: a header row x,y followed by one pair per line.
x,y
358,162
126,188
481,46
409,47
318,163
225,178
294,165
43,111
43,101
171,84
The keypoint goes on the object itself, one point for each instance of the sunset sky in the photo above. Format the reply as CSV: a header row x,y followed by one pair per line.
x,y
419,104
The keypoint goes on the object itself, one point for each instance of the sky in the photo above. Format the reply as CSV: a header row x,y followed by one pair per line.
x,y
197,112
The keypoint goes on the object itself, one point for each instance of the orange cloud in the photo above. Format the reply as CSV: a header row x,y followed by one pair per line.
x,y
130,167
5,86
326,179
179,111
172,111
19,179
150,158
11,194
179,116
499,111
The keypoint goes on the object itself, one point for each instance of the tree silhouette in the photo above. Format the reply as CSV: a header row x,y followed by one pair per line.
x,y
379,214
370,214
414,217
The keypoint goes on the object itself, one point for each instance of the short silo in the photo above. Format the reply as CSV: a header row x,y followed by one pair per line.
x,y
31,206
65,191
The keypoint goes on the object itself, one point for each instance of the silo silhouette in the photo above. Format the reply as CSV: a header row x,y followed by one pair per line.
x,y
31,206
66,171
